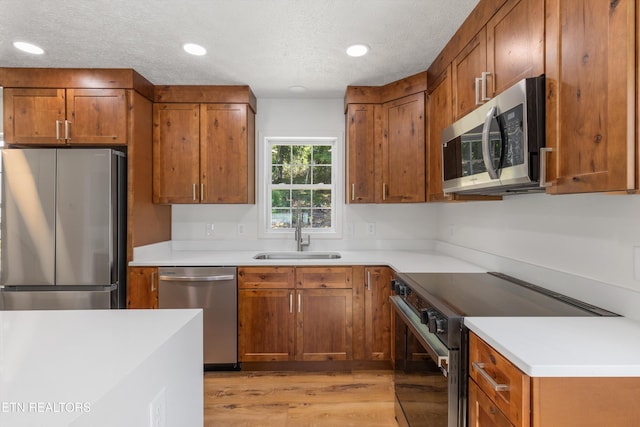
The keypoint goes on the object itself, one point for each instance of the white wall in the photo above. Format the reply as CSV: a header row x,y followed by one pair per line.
x,y
588,235
305,117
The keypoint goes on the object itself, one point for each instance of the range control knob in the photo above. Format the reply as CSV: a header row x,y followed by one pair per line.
x,y
441,325
395,284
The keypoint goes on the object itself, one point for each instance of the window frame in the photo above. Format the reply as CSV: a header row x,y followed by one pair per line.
x,y
337,179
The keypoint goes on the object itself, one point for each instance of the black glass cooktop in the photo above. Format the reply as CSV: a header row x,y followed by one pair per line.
x,y
493,294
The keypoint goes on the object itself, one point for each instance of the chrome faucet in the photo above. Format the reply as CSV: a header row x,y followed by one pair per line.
x,y
298,233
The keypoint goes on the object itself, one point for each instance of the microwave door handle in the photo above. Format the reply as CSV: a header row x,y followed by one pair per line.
x,y
486,155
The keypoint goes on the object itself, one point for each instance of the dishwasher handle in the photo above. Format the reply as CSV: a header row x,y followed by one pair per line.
x,y
215,278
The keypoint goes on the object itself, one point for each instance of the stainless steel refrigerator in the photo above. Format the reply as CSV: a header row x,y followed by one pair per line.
x,y
63,229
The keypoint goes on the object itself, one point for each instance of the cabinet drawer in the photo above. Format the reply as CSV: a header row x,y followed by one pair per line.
x,y
324,277
482,411
265,277
504,384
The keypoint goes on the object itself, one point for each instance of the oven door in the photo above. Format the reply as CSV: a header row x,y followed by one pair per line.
x,y
425,373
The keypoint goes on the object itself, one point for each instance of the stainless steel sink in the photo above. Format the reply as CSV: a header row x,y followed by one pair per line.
x,y
298,255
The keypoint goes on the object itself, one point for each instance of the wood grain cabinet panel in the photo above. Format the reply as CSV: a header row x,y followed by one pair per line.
x,y
402,161
65,116
440,116
176,153
482,411
590,78
142,287
362,131
469,65
377,316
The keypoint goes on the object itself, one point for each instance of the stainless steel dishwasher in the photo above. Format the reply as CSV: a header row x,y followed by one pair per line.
x,y
215,290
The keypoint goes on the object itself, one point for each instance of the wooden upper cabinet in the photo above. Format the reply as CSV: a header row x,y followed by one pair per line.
x,y
362,128
590,78
203,153
176,153
466,68
226,154
515,44
65,116
440,116
402,160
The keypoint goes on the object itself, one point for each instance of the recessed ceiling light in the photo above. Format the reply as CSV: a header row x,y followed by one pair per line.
x,y
194,49
357,50
28,47
297,89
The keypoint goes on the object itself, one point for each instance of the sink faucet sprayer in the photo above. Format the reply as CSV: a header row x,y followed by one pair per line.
x,y
298,232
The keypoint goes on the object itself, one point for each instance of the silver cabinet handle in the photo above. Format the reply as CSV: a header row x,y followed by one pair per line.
x,y
201,192
58,123
543,166
384,191
486,140
353,191
153,281
485,74
299,302
478,366
290,302
368,280
217,278
66,130
194,192
478,90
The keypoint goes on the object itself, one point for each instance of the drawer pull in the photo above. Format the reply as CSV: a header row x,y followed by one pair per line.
x,y
478,366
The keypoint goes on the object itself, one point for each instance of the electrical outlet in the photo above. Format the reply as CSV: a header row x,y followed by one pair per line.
x,y
371,228
209,229
349,229
158,410
240,229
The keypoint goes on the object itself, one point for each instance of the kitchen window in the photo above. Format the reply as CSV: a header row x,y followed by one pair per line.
x,y
301,180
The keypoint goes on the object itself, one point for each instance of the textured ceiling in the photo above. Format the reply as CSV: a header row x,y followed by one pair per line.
x,y
267,44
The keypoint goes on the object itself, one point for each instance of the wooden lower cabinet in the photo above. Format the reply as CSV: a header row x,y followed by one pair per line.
x,y
544,401
142,287
314,313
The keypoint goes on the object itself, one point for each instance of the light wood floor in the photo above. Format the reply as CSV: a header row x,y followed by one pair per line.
x,y
259,398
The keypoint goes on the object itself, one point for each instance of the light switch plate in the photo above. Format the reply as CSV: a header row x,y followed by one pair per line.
x,y
158,410
371,228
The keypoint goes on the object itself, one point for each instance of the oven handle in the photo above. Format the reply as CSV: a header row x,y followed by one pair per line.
x,y
438,351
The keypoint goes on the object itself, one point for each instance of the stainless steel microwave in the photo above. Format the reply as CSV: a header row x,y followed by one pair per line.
x,y
496,149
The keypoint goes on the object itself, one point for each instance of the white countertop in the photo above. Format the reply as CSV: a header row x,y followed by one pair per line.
x,y
400,260
564,346
76,356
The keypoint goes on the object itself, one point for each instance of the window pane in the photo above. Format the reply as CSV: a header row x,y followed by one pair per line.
x,y
301,198
281,218
281,175
301,174
322,198
301,154
322,154
281,198
281,154
322,218
322,174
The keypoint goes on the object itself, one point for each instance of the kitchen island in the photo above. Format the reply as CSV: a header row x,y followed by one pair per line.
x,y
100,367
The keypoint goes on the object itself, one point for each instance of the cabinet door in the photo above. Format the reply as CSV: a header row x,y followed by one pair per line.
x,y
482,411
439,117
225,153
377,313
402,169
34,116
362,127
97,116
515,44
176,153
590,77
266,325
142,287
324,324
466,67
